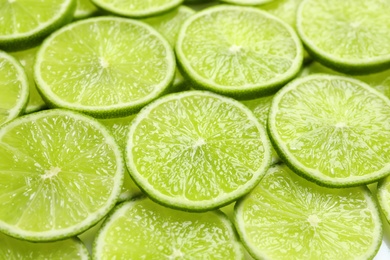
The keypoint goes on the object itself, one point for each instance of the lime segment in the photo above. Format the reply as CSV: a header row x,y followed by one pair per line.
x,y
287,217
196,150
333,130
142,229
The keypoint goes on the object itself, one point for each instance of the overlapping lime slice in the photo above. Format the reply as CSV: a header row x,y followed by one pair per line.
x,y
238,51
351,36
84,9
14,90
287,217
142,229
60,173
333,130
105,66
25,23
196,150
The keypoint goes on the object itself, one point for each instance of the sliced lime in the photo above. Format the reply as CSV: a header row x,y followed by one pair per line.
x,y
383,195
352,36
333,130
105,66
197,150
25,23
15,249
138,8
26,58
142,229
60,173
13,88
238,51
85,8
287,217
119,128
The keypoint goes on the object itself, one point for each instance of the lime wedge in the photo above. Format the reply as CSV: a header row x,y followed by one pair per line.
x,y
333,130
351,36
13,88
60,178
196,150
238,51
26,58
137,8
142,229
84,9
119,128
25,23
287,217
15,249
105,66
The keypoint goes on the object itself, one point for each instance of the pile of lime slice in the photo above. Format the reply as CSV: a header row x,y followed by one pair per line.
x,y
195,129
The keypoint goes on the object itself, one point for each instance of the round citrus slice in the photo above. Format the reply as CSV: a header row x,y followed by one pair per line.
x,y
105,66
25,23
142,229
197,150
60,173
351,36
85,9
333,130
238,51
12,248
13,88
138,8
288,217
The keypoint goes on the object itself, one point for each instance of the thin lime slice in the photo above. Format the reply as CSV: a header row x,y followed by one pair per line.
x,y
60,173
27,58
25,23
142,229
84,9
119,128
352,36
197,150
247,2
13,88
105,66
238,51
383,195
138,8
333,130
287,217
15,249
169,25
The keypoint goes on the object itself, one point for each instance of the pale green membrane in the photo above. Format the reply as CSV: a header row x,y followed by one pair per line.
x,y
142,229
287,217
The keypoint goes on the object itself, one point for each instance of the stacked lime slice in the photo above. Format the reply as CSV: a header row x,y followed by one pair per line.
x,y
105,66
25,23
62,177
13,88
287,217
142,229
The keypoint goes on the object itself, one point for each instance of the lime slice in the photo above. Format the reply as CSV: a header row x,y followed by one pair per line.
x,y
26,58
196,150
13,88
137,8
169,25
383,195
333,130
84,9
119,128
105,66
351,36
287,217
246,2
15,249
238,51
142,229
60,178
25,23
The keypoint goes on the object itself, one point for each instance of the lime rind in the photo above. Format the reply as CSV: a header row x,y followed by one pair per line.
x,y
302,169
181,201
244,91
32,38
118,109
